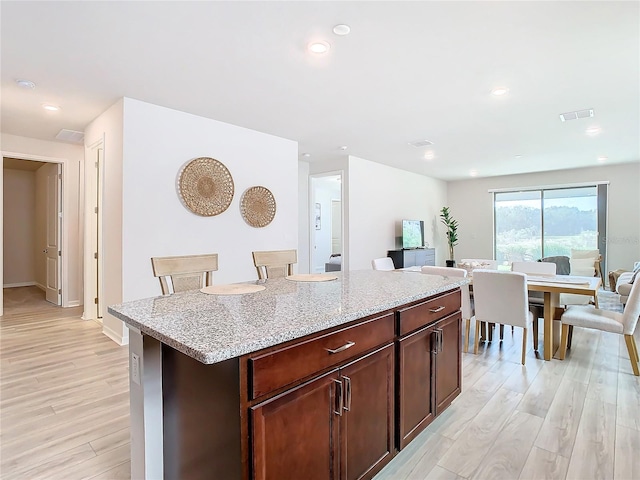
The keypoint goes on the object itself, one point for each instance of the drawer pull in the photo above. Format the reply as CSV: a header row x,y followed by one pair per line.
x,y
339,398
347,382
437,309
341,349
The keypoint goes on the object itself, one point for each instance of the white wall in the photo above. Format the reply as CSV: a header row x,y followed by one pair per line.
x,y
71,157
20,223
158,142
472,206
379,198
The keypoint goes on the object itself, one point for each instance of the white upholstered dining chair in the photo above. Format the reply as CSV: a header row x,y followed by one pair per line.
x,y
536,299
187,272
384,263
467,306
625,323
501,297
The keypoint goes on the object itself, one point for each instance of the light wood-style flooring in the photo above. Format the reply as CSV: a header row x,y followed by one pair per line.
x,y
65,409
64,394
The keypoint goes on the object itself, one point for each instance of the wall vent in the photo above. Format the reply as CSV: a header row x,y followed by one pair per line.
x,y
421,143
70,136
565,117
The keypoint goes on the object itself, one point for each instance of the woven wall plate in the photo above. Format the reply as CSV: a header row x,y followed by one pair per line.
x,y
206,186
257,206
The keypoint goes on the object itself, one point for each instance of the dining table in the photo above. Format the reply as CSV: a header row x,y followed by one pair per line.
x,y
552,287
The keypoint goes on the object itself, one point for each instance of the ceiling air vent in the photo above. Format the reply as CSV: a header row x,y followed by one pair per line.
x,y
577,114
421,143
70,136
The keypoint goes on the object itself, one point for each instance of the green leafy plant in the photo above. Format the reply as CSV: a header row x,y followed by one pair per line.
x,y
452,229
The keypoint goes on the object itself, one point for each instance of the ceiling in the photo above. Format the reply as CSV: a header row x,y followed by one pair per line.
x,y
408,71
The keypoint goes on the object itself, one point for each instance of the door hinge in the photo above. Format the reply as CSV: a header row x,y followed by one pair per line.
x,y
59,176
95,210
59,253
96,300
59,291
95,255
96,164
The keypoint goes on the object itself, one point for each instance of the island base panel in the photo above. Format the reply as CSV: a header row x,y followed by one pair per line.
x,y
201,418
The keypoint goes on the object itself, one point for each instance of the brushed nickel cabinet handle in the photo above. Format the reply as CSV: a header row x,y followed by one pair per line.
x,y
347,386
434,342
340,349
437,309
339,398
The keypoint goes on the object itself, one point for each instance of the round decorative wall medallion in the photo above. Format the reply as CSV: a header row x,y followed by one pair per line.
x,y
206,186
258,207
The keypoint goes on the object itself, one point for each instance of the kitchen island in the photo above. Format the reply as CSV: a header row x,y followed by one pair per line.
x,y
301,380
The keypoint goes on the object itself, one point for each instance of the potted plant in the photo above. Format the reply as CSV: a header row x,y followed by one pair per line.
x,y
452,233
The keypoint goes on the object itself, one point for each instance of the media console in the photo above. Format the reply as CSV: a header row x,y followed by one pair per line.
x,y
413,257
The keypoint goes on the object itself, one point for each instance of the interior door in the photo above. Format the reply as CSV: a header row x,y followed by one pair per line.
x,y
54,220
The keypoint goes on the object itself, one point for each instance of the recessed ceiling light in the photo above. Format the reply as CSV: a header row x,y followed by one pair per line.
x,y
319,47
343,147
518,156
473,173
341,29
498,91
591,131
50,108
26,84
306,155
602,159
429,155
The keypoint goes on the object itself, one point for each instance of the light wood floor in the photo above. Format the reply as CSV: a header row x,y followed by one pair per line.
x,y
65,409
64,394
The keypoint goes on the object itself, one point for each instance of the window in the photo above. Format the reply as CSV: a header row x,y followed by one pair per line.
x,y
545,222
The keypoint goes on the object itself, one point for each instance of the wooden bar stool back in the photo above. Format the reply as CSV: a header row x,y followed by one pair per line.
x,y
275,263
189,272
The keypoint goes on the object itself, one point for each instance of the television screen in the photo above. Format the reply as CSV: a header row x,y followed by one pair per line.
x,y
412,233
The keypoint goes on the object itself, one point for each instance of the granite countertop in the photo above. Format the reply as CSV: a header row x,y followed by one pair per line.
x,y
213,328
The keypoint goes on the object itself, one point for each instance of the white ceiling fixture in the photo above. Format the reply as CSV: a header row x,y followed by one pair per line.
x,y
421,143
473,173
72,136
50,108
593,131
342,29
429,155
586,113
343,147
499,91
319,48
306,155
602,159
26,84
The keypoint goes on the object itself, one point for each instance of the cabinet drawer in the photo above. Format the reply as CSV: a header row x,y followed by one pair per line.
x,y
428,312
281,367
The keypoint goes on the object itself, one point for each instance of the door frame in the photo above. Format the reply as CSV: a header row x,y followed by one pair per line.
x,y
63,266
311,215
93,269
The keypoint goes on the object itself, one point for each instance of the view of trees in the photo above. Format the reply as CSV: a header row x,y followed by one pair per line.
x,y
518,231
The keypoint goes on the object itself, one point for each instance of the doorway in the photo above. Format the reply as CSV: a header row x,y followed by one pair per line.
x,y
32,229
327,223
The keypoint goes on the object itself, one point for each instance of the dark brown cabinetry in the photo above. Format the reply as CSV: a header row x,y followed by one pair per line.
x,y
429,375
338,426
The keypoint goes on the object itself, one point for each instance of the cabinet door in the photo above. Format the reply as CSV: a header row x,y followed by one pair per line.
x,y
409,258
296,432
421,257
448,361
415,360
367,424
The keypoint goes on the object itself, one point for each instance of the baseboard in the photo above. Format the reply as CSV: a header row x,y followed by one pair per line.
x,y
41,287
75,303
21,284
115,336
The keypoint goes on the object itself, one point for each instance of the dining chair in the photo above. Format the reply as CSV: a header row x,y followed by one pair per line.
x,y
467,305
275,263
621,323
181,273
501,297
384,263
